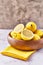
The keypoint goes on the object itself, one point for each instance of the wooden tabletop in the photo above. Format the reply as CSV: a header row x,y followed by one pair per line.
x,y
35,59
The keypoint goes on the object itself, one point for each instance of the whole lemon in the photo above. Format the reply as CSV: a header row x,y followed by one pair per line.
x,y
18,28
31,26
39,32
13,34
16,35
36,37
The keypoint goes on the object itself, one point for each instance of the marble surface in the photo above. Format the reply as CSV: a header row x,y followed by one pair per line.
x,y
35,59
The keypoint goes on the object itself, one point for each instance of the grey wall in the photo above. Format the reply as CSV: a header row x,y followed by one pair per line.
x,y
13,12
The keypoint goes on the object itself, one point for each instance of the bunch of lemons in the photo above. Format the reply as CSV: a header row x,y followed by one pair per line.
x,y
27,32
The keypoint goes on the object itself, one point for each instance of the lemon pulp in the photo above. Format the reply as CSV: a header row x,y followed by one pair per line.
x,y
27,35
18,28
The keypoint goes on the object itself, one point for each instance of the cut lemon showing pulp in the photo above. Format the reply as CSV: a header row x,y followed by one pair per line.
x,y
18,28
27,35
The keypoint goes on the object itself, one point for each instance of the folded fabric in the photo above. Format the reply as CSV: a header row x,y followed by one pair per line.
x,y
15,53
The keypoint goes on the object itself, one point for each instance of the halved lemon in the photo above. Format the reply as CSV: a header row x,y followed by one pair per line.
x,y
27,35
18,28
18,36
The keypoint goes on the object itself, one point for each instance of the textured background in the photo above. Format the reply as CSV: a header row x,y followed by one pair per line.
x,y
13,12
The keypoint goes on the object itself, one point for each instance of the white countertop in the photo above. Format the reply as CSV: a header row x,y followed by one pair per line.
x,y
35,59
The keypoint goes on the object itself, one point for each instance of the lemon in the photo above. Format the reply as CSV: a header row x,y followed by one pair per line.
x,y
31,26
18,36
25,28
13,34
36,37
18,28
39,32
27,35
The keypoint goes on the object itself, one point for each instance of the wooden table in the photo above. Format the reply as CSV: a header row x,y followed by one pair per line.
x,y
35,59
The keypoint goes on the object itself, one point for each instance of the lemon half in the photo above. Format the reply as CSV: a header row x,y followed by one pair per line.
x,y
18,28
27,35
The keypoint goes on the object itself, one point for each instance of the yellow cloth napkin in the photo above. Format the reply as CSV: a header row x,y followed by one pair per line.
x,y
15,53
